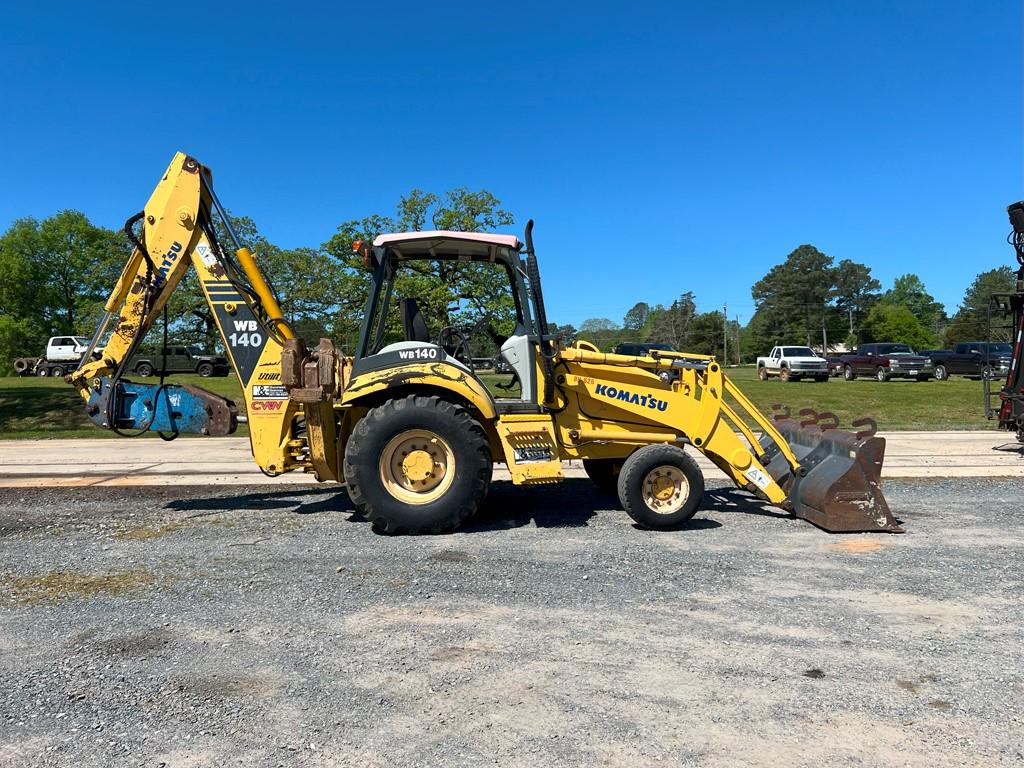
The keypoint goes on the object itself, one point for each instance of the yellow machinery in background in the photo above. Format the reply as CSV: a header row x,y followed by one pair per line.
x,y
409,426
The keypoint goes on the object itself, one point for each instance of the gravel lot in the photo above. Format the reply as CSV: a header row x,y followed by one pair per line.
x,y
256,626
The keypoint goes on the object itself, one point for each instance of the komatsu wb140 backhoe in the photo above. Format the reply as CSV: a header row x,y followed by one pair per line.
x,y
409,427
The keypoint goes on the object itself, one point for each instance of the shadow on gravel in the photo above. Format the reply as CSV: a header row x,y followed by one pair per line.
x,y
297,501
732,500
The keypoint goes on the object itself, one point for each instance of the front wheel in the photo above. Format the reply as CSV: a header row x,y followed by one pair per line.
x,y
848,373
417,465
881,374
941,374
784,374
660,486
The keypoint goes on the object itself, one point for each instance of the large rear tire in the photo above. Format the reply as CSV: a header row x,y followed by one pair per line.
x,y
660,486
42,371
604,473
417,465
762,373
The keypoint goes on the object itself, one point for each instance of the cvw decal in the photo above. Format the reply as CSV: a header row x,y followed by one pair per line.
x,y
266,406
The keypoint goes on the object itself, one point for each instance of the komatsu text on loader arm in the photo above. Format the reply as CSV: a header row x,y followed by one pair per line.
x,y
410,428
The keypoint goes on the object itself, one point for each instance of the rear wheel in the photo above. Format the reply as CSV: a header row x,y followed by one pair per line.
x,y
205,370
941,374
660,486
762,373
881,374
144,369
417,465
604,473
42,371
57,371
848,373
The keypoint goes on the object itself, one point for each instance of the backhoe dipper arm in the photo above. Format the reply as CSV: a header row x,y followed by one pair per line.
x,y
177,232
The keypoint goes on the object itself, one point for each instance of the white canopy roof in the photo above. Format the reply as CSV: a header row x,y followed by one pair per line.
x,y
457,244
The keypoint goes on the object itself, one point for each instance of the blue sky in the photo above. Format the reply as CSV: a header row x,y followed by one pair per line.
x,y
660,147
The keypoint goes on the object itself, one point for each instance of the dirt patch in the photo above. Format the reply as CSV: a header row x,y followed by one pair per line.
x,y
856,546
55,586
232,687
142,645
814,673
145,533
450,556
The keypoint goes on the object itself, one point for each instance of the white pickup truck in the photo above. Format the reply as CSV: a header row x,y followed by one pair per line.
x,y
792,364
61,356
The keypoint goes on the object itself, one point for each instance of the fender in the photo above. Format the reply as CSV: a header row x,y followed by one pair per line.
x,y
439,375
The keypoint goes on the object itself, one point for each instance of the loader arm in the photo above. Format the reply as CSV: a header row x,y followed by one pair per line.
x,y
609,404
175,233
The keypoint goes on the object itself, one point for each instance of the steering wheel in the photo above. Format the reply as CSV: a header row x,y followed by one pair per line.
x,y
455,342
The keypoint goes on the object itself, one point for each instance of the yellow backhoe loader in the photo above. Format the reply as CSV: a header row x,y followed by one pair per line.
x,y
410,428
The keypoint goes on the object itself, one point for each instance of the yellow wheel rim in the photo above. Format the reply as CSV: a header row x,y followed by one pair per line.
x,y
665,490
417,466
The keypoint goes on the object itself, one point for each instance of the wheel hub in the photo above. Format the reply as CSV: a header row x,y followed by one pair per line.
x,y
417,466
665,489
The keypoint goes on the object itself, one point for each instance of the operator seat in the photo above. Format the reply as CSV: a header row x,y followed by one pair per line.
x,y
414,327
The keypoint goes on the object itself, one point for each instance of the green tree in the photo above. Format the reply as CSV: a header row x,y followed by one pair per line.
x,y
600,331
636,317
674,324
57,274
909,291
970,323
854,289
896,323
793,295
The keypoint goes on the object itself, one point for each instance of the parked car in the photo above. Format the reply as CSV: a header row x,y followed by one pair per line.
x,y
974,359
835,365
179,360
61,355
641,349
886,361
792,364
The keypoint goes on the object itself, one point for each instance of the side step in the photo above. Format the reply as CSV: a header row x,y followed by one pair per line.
x,y
531,452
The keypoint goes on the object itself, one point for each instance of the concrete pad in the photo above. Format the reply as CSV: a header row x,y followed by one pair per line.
x,y
228,460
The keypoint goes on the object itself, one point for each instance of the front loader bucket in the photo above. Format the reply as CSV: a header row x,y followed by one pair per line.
x,y
838,484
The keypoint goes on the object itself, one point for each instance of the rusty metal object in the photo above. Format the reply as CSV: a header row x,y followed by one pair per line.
x,y
838,484
310,377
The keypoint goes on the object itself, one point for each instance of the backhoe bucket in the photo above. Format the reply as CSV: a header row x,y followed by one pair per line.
x,y
838,485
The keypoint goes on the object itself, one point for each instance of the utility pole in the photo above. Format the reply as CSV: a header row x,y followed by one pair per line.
x,y
725,334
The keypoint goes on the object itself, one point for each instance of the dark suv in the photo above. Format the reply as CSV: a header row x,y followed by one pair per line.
x,y
179,360
886,361
641,349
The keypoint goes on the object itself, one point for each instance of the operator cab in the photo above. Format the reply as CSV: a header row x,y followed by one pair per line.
x,y
439,296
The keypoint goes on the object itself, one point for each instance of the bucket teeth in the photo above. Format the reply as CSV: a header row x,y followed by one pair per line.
x,y
838,484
